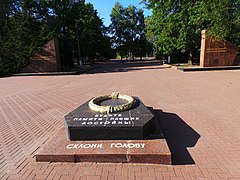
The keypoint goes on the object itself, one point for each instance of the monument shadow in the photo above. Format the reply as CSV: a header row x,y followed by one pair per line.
x,y
178,134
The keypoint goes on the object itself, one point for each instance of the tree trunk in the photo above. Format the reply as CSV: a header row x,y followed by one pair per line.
x,y
190,59
121,54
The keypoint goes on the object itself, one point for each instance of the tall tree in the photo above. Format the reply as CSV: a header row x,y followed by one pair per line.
x,y
128,30
21,34
177,25
26,25
142,45
117,28
71,17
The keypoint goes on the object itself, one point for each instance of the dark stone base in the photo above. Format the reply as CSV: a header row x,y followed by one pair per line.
x,y
85,124
59,149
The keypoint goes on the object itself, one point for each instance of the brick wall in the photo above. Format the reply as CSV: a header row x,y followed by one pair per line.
x,y
45,61
215,52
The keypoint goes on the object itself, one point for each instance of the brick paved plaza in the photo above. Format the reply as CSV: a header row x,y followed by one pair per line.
x,y
199,113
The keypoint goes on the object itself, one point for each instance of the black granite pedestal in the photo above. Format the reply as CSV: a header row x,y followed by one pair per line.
x,y
86,124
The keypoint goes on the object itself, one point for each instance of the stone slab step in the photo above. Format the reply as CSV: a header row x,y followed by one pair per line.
x,y
60,149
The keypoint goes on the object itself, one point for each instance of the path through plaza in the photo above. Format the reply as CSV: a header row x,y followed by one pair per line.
x,y
199,113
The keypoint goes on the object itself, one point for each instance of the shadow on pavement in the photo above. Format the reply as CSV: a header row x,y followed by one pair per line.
x,y
110,67
124,66
179,136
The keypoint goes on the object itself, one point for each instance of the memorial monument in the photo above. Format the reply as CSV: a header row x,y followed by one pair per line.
x,y
110,117
109,128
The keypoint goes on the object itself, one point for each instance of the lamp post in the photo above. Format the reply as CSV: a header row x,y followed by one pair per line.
x,y
79,53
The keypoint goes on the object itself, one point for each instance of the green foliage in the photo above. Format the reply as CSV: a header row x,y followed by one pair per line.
x,y
27,25
128,31
21,34
225,21
177,25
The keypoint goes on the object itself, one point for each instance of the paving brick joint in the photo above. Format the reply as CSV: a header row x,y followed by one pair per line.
x,y
199,114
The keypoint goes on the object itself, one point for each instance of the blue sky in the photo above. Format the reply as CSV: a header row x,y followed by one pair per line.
x,y
104,8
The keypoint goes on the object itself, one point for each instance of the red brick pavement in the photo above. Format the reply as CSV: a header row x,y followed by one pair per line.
x,y
199,113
